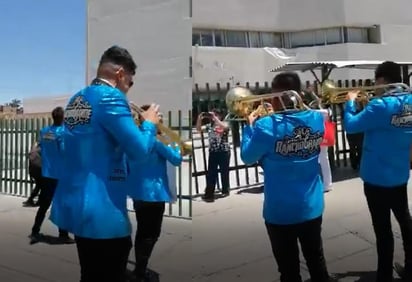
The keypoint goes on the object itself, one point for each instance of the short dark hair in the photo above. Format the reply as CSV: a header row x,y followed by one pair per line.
x,y
287,81
389,71
119,56
58,115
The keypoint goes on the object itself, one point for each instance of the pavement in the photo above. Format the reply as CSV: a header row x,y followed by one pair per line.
x,y
20,261
226,241
230,241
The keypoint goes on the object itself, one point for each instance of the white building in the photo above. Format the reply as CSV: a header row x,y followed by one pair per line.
x,y
228,36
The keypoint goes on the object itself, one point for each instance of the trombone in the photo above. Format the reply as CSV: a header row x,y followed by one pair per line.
x,y
167,136
337,95
241,103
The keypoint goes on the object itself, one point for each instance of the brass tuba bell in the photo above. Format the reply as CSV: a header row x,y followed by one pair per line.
x,y
240,103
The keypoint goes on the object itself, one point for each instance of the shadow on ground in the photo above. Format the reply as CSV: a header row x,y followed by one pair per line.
x,y
51,240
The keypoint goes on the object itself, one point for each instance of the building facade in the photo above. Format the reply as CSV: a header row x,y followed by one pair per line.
x,y
157,34
229,36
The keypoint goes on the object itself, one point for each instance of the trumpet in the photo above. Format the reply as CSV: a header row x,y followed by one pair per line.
x,y
337,95
167,136
241,103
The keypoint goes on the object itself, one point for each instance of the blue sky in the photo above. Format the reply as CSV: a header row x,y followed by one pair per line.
x,y
43,48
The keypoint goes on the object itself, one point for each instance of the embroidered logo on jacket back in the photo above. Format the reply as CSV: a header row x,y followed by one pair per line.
x,y
303,143
404,118
78,112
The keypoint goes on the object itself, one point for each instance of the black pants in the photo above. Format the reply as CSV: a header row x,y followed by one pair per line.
x,y
284,240
35,174
355,149
381,201
218,160
149,216
48,187
103,259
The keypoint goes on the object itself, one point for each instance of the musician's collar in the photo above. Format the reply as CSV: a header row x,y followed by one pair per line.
x,y
106,81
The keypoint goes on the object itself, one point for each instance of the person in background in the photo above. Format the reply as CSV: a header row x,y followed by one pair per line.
x,y
35,174
384,167
308,97
150,191
219,152
100,136
51,146
293,194
355,141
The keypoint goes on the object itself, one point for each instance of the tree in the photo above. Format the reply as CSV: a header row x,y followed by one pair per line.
x,y
15,103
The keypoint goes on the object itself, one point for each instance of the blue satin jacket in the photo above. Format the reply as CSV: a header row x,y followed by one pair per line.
x,y
148,179
51,145
387,126
100,131
287,146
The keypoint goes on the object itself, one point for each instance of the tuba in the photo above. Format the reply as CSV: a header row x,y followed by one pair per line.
x,y
167,136
337,95
241,103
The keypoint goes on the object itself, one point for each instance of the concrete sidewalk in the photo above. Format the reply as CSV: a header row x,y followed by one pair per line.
x,y
20,261
231,244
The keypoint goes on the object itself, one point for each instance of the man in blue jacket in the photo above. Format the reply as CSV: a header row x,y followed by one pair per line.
x,y
149,189
288,145
100,133
51,145
387,124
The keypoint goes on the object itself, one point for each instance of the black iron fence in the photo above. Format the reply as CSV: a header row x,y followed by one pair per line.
x,y
17,135
208,98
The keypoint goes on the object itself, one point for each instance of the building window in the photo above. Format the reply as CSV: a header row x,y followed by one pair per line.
x,y
356,35
196,38
302,39
254,39
374,34
219,38
334,35
236,39
206,38
307,38
271,39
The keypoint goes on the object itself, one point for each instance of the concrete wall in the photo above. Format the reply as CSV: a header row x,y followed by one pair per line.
x,y
158,35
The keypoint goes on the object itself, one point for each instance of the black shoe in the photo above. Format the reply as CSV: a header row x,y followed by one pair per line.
x,y
225,194
29,203
35,238
208,198
402,273
209,195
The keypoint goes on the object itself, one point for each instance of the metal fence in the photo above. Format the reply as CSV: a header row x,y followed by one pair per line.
x,y
208,97
18,134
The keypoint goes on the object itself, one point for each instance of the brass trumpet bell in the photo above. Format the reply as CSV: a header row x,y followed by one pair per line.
x,y
167,136
241,103
337,95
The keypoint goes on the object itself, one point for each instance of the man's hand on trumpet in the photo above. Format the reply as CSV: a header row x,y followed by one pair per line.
x,y
352,95
152,114
253,116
